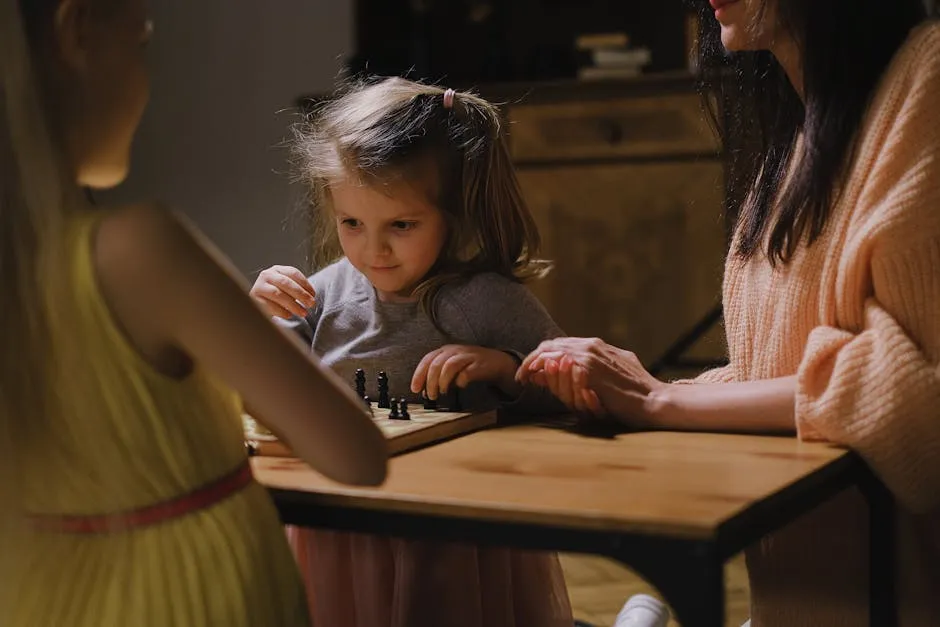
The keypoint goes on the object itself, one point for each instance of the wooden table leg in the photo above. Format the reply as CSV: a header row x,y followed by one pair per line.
x,y
690,575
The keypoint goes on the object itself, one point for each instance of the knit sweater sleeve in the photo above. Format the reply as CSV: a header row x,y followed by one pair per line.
x,y
876,389
723,374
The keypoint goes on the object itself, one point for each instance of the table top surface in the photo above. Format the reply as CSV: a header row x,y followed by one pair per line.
x,y
659,483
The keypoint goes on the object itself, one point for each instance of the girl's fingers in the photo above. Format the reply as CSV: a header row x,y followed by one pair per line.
x,y
538,362
301,281
547,346
592,401
276,310
292,289
564,382
270,295
419,378
578,387
432,383
453,366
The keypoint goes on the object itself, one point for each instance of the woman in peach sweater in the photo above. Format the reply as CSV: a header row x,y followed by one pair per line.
x,y
831,291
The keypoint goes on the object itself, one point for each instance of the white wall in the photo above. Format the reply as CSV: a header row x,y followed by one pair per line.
x,y
221,72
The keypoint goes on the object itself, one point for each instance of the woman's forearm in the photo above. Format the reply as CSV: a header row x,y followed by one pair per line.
x,y
753,407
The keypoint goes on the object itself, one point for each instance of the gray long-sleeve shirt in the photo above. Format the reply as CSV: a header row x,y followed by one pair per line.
x,y
350,328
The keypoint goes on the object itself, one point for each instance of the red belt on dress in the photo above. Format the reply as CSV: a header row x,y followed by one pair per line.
x,y
198,499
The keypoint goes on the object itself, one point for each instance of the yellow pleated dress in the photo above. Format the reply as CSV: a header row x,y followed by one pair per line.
x,y
123,437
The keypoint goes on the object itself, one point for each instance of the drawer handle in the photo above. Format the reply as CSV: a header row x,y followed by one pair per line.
x,y
612,131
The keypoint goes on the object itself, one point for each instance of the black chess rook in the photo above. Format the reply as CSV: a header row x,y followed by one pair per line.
x,y
429,403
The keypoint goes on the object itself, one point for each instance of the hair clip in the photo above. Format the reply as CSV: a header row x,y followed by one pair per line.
x,y
449,95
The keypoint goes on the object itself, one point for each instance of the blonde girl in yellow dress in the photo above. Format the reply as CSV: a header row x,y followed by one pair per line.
x,y
126,347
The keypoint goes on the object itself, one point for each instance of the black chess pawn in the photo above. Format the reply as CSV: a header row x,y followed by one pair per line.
x,y
361,383
403,409
393,414
384,401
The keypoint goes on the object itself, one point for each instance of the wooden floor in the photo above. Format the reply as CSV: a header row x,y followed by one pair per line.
x,y
599,587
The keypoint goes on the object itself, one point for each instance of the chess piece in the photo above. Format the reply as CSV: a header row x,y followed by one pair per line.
x,y
382,380
368,402
361,383
453,399
403,409
394,415
429,403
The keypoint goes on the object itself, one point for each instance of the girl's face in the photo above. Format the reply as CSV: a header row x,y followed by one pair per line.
x,y
100,73
393,234
745,25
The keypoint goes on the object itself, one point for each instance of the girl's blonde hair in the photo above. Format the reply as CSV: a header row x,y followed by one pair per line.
x,y
380,130
35,196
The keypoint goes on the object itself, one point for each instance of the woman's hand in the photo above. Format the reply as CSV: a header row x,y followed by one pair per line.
x,y
591,376
456,364
282,291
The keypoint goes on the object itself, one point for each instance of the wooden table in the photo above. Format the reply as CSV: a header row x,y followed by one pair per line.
x,y
671,506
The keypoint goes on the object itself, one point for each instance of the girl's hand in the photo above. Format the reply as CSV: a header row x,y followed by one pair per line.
x,y
282,291
459,365
588,374
566,380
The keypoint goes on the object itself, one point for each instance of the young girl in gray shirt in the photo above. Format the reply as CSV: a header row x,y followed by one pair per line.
x,y
414,190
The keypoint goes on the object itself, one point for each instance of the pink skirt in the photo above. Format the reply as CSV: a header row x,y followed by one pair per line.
x,y
359,580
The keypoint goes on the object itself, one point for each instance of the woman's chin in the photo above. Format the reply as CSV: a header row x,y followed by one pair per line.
x,y
731,40
103,177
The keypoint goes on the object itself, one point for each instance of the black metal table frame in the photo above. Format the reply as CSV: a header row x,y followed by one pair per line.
x,y
689,573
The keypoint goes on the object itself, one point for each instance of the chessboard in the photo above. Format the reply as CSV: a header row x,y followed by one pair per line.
x,y
405,427
424,427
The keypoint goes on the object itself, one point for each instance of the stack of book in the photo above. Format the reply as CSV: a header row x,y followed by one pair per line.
x,y
609,56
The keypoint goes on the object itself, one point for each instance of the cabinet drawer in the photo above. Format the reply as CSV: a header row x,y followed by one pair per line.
x,y
656,126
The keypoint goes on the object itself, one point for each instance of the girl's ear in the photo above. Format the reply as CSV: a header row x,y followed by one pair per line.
x,y
71,33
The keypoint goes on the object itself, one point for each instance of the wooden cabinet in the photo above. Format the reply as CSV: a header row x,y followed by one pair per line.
x,y
628,195
651,127
638,249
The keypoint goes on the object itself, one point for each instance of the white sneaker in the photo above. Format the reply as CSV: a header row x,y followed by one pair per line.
x,y
642,610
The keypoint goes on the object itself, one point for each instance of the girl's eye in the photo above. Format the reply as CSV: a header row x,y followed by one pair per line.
x,y
350,223
403,225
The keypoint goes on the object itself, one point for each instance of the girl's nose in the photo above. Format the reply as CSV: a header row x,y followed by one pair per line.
x,y
377,245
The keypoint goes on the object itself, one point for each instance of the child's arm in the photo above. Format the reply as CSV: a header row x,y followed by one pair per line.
x,y
194,304
504,316
289,297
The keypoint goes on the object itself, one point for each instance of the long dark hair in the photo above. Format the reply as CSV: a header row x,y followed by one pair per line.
x,y
845,47
379,129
